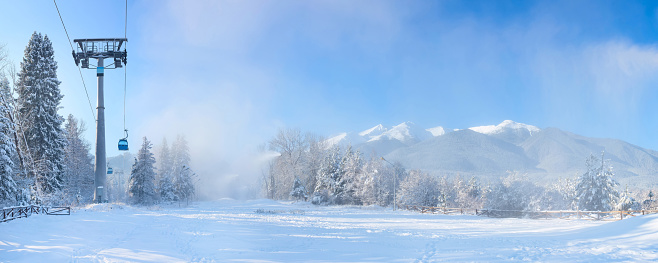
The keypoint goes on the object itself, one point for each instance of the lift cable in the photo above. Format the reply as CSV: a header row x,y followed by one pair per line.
x,y
125,71
79,70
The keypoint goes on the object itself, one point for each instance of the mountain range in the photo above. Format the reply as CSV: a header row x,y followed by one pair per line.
x,y
491,151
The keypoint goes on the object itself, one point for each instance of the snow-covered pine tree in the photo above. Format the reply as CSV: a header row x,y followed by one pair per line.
x,y
351,167
316,150
328,174
180,154
448,192
142,178
298,191
9,103
79,176
183,176
39,98
368,182
596,187
184,184
8,190
164,176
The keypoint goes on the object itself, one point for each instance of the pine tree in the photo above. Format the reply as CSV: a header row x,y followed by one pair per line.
x,y
164,177
39,98
596,187
183,182
8,188
328,176
142,178
352,168
298,191
79,176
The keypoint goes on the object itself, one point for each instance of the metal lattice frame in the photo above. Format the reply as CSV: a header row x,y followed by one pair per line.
x,y
100,48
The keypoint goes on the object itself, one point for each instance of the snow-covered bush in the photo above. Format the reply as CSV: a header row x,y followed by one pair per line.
x,y
626,202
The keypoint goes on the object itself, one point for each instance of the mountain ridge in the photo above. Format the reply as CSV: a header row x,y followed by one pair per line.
x,y
491,151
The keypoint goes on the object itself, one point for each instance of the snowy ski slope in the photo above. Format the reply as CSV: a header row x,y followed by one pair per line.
x,y
269,231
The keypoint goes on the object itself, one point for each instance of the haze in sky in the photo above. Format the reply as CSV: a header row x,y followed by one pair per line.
x,y
228,74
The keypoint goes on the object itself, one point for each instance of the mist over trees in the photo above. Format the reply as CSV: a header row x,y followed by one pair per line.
x,y
308,168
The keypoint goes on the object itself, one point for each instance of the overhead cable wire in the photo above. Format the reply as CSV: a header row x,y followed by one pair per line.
x,y
79,70
125,70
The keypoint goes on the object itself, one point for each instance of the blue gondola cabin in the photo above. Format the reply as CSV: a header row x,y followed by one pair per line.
x,y
123,145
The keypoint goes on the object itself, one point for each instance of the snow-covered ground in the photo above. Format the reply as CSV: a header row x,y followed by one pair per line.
x,y
269,231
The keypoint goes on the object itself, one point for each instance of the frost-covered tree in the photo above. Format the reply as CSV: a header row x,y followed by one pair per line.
x,y
184,184
8,189
298,190
328,177
311,161
182,174
514,192
626,202
368,181
164,176
39,99
79,176
560,196
418,188
596,187
141,186
469,194
293,147
447,191
345,185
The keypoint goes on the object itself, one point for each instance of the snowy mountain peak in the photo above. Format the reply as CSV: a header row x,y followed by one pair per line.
x,y
374,131
406,132
336,139
438,131
504,126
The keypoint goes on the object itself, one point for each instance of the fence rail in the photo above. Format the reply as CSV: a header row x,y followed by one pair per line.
x,y
585,215
15,212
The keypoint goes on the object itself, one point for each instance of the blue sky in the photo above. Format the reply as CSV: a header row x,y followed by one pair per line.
x,y
228,74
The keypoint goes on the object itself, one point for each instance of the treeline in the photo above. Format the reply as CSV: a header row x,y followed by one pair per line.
x,y
171,181
43,158
309,169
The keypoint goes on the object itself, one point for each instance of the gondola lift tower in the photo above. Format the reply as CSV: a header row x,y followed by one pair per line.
x,y
100,49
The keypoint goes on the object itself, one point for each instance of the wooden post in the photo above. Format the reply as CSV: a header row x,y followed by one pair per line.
x,y
621,215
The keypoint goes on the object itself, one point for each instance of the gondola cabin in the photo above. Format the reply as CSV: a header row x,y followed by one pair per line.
x,y
123,144
109,170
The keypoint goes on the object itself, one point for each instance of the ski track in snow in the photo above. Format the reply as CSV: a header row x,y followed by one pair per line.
x,y
232,231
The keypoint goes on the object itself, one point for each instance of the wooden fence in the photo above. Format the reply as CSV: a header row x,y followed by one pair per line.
x,y
442,210
11,213
586,215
